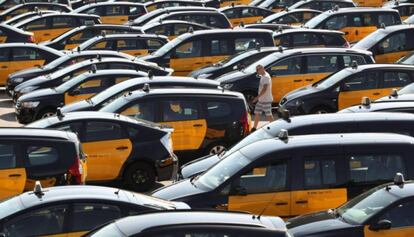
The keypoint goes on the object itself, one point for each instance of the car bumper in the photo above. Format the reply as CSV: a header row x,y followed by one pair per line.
x,y
167,169
24,115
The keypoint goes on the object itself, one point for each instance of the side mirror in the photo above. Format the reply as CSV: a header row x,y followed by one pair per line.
x,y
238,190
381,225
74,92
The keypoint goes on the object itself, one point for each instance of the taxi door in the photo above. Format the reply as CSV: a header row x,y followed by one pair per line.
x,y
108,147
12,174
262,189
23,58
3,38
320,66
394,47
361,25
187,57
134,47
56,26
115,15
86,90
5,57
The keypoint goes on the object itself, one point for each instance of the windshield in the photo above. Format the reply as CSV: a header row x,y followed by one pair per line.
x,y
115,105
272,17
234,58
333,79
10,206
222,171
259,135
369,41
264,62
408,60
361,208
167,47
407,90
112,92
314,22
72,82
57,62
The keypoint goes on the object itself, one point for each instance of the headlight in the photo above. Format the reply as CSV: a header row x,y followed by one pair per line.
x,y
167,142
30,104
28,89
205,75
228,86
294,103
18,80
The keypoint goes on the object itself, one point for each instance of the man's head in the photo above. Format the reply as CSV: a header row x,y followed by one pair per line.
x,y
260,70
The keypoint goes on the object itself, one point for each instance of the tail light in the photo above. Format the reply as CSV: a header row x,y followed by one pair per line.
x,y
76,170
245,123
31,39
347,45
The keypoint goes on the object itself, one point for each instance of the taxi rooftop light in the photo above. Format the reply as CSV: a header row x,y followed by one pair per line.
x,y
335,8
232,4
354,64
78,49
59,113
365,101
36,9
150,74
283,135
93,68
103,33
382,26
146,88
394,92
38,190
280,49
241,24
279,29
283,114
399,179
191,30
258,46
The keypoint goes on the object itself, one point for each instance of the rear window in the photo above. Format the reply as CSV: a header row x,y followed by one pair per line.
x,y
333,40
218,109
42,155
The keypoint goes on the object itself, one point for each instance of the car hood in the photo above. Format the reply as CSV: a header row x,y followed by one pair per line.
x,y
82,105
203,70
198,166
27,72
33,82
300,92
39,94
177,190
232,77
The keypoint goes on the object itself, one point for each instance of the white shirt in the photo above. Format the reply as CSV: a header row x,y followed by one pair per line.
x,y
265,80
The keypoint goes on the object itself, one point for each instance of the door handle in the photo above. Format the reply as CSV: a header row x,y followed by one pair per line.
x,y
302,202
346,33
281,203
376,93
198,63
309,80
14,175
356,32
197,125
4,67
297,80
36,65
47,34
121,148
209,62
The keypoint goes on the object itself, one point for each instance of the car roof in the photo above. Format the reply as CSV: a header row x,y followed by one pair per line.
x,y
106,4
397,4
35,4
321,50
180,91
35,133
380,105
243,6
15,29
36,17
380,66
75,53
401,191
300,30
261,148
130,226
130,35
222,31
32,45
358,9
156,23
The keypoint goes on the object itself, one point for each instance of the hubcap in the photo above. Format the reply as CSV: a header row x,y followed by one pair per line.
x,y
217,150
140,177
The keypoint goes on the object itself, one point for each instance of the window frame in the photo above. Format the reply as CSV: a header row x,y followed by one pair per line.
x,y
124,134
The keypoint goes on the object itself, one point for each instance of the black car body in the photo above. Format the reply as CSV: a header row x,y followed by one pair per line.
x,y
10,34
162,4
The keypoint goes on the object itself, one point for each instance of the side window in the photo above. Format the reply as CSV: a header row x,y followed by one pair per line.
x,y
319,172
91,86
332,40
232,13
141,110
402,215
7,157
42,155
129,44
93,11
219,47
70,127
362,81
336,23
248,12
40,24
23,54
288,19
308,15
322,63
114,10
180,29
349,58
190,49
243,44
122,66
283,40
396,79
4,55
98,131
387,19
394,43
289,66
40,222
374,168
305,39
216,21
105,45
180,110
153,44
218,109
87,216
160,30
64,22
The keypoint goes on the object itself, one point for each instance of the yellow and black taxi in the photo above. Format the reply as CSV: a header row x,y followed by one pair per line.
x,y
244,14
19,56
101,99
303,37
213,19
196,49
34,6
7,4
172,28
267,26
404,104
81,87
90,207
159,4
66,60
58,77
71,39
389,44
142,20
347,87
133,151
294,175
384,211
355,22
404,94
399,123
323,5
295,17
132,44
226,3
237,61
29,155
49,26
114,12
10,34
293,68
204,120
194,223
405,9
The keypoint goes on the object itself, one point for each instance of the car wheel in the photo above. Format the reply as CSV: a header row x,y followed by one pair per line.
x,y
321,110
140,177
250,95
216,148
46,113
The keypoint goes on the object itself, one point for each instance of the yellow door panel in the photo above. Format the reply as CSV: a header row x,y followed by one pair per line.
x,y
136,52
105,158
390,57
370,3
316,200
152,8
44,35
12,182
73,98
281,85
395,232
188,135
183,66
354,34
70,46
9,67
118,20
58,235
4,72
3,39
171,37
278,204
350,98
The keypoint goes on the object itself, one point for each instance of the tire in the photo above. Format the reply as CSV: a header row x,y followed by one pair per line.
x,y
46,113
216,148
321,110
249,96
139,177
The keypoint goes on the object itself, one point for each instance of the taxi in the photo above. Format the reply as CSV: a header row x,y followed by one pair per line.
x,y
173,28
119,148
19,56
296,174
404,104
66,60
347,87
63,161
291,69
49,26
7,4
159,4
81,87
405,9
244,13
323,5
91,206
16,19
295,17
384,211
355,22
302,37
132,44
389,44
10,34
196,49
29,7
71,39
225,121
114,12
